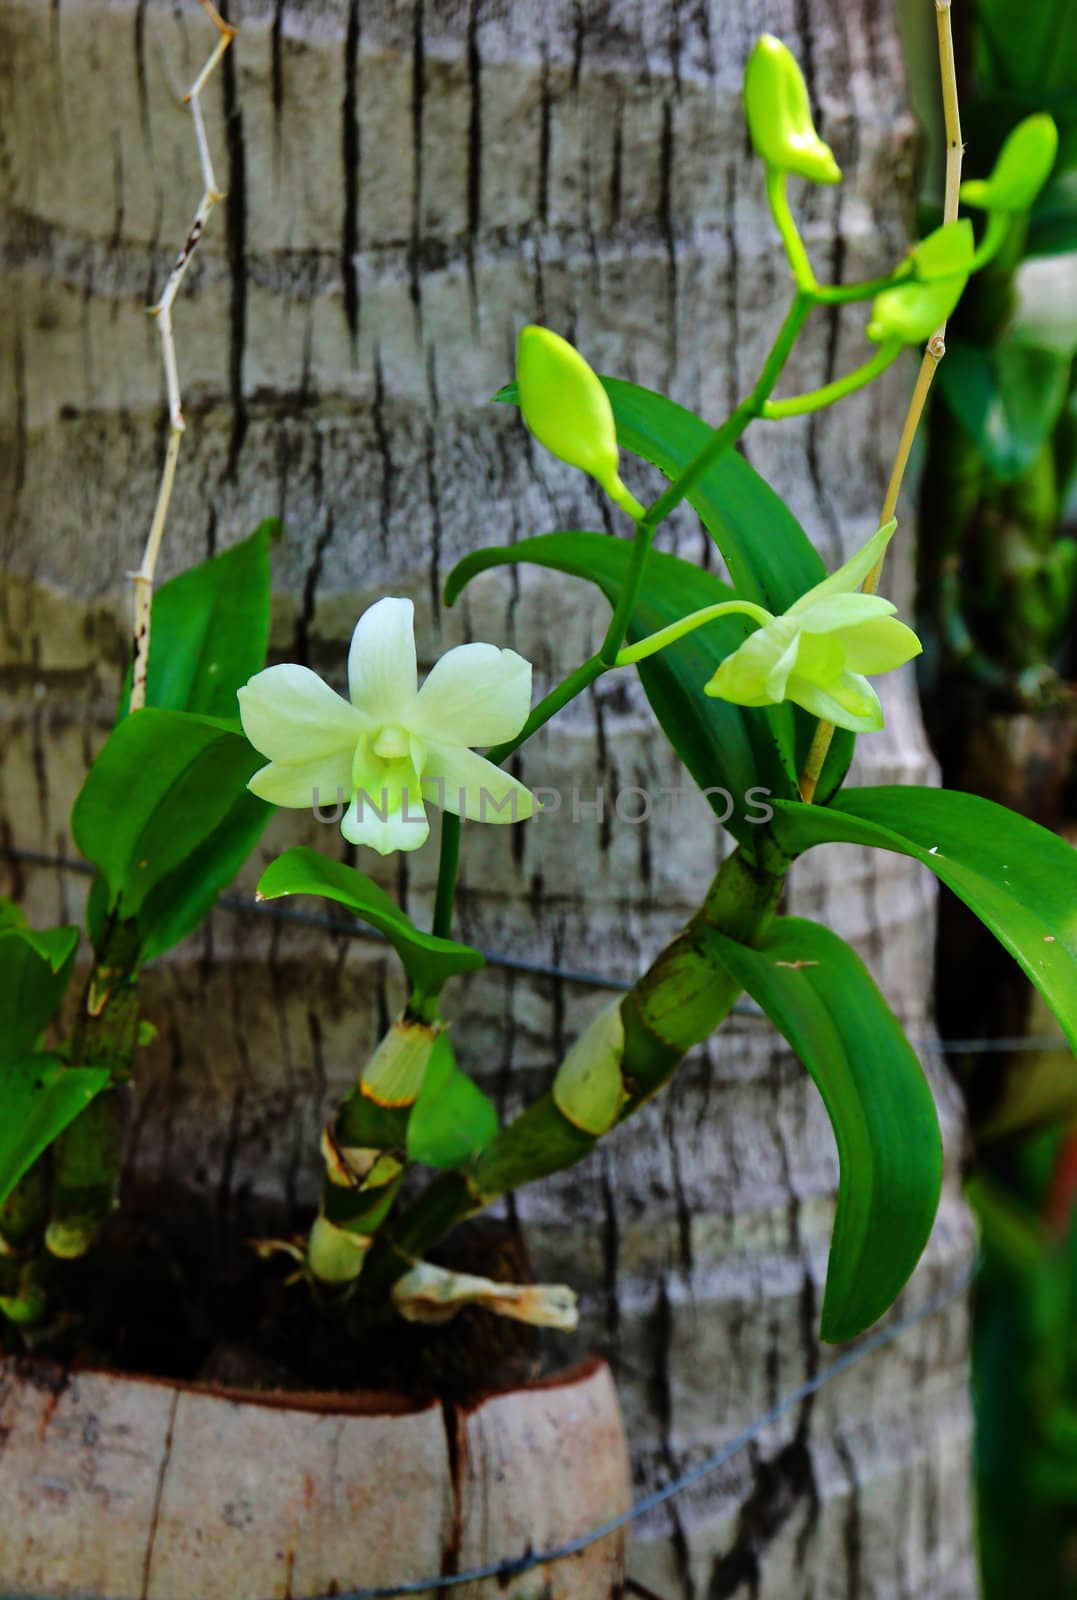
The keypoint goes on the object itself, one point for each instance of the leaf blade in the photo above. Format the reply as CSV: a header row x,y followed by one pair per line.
x,y
821,997
452,1120
430,961
41,1096
1019,879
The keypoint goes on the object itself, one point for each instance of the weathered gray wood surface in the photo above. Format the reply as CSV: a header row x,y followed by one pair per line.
x,y
152,1491
407,183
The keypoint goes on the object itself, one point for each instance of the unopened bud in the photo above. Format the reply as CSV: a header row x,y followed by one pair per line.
x,y
1023,166
911,311
779,114
568,411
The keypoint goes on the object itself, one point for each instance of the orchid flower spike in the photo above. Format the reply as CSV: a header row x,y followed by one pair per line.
x,y
816,653
391,746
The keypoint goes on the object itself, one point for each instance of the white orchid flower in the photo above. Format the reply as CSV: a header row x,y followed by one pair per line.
x,y
816,654
391,746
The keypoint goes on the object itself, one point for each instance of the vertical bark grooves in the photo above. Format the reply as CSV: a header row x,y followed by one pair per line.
x,y
402,195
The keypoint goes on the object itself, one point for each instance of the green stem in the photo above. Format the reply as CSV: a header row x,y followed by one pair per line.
x,y
448,866
799,405
843,294
778,200
695,619
549,706
87,1155
677,1003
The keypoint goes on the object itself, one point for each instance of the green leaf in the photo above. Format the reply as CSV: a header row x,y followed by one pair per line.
x,y
1008,398
724,746
819,994
176,905
429,961
1034,51
11,915
452,1120
34,973
209,629
41,1096
160,788
1019,879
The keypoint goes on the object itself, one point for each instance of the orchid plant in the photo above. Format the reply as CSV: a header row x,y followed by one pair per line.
x,y
762,682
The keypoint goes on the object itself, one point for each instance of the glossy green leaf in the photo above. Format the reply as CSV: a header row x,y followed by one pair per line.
x,y
11,915
452,1120
821,997
159,789
1019,879
34,973
1036,52
40,1097
176,905
1008,398
429,961
723,746
209,629
770,558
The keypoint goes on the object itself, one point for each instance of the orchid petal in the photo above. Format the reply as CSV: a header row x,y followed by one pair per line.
x,y
742,677
382,671
839,611
848,701
290,715
475,695
471,787
778,676
851,575
305,784
880,646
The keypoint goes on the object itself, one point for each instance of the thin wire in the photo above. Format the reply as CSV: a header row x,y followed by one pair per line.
x,y
538,969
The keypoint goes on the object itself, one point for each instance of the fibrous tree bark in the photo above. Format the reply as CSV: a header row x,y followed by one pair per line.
x,y
407,183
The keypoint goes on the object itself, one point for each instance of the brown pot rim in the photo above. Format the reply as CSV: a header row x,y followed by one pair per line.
x,y
54,1376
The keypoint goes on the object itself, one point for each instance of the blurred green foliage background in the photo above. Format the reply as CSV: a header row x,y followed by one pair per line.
x,y
997,609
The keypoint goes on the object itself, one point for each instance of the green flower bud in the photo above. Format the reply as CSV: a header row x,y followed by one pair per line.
x,y
913,310
779,114
588,1088
1023,166
567,409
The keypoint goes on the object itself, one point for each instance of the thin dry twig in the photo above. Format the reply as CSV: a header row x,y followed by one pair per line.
x,y
143,578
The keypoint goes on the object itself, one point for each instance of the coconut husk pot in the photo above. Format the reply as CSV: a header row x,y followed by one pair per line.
x,y
142,1489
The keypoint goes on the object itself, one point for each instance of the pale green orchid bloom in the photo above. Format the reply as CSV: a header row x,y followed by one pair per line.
x,y
816,654
391,746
